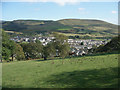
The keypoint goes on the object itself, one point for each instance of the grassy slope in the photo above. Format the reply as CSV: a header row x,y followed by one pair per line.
x,y
83,72
94,27
88,23
72,26
112,46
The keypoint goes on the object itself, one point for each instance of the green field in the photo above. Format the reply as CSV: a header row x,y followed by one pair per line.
x,y
81,72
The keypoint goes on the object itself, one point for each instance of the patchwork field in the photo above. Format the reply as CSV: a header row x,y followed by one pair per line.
x,y
71,26
80,72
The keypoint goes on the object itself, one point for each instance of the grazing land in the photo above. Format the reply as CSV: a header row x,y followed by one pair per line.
x,y
82,27
100,71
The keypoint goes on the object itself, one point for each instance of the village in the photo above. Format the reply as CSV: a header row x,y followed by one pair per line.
x,y
78,47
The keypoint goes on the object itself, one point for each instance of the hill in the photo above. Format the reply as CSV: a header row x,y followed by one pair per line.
x,y
72,26
32,26
112,46
80,72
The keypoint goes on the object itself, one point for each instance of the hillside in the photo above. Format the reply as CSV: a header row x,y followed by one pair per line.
x,y
112,46
90,25
80,72
32,26
72,26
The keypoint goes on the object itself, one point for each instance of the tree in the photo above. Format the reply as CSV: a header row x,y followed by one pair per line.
x,y
32,50
49,50
5,53
8,46
64,50
61,44
57,47
12,48
19,54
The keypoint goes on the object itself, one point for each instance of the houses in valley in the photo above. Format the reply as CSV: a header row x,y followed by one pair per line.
x,y
81,47
78,47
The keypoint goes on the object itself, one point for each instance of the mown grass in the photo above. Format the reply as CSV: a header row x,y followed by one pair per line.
x,y
79,72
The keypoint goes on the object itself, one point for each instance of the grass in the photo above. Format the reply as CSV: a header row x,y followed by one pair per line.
x,y
64,29
78,72
94,35
13,32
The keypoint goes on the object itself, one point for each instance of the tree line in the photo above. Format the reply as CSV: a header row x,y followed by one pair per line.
x,y
11,50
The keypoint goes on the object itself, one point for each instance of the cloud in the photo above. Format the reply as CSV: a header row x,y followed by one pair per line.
x,y
81,9
64,2
61,2
114,12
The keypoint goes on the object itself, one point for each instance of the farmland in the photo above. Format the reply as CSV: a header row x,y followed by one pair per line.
x,y
88,27
81,72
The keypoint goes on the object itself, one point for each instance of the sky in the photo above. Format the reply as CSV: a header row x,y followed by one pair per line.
x,y
54,10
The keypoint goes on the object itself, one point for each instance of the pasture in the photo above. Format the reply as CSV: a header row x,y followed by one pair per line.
x,y
79,72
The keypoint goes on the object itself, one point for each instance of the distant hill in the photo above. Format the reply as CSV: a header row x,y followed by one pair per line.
x,y
91,25
32,26
72,26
